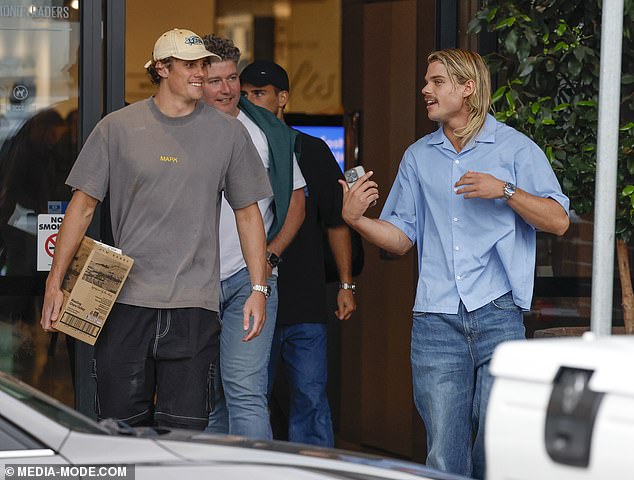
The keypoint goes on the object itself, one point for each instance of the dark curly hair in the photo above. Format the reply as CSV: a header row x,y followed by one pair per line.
x,y
153,74
223,47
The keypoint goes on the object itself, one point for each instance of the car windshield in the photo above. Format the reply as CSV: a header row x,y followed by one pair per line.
x,y
48,407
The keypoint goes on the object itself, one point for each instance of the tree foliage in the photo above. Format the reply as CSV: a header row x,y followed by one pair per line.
x,y
547,67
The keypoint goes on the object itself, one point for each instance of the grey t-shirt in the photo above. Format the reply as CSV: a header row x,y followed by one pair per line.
x,y
165,176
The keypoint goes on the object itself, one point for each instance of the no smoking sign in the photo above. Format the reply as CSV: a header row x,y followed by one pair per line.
x,y
47,229
49,245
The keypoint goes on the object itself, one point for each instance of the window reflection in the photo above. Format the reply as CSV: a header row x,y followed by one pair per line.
x,y
38,145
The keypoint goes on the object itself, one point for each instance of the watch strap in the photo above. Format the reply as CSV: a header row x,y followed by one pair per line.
x,y
348,286
263,289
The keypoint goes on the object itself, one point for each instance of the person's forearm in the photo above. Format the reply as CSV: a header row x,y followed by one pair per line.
x,y
545,214
292,223
78,216
252,241
341,248
382,234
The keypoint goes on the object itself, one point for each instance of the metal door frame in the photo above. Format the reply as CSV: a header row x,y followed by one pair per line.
x,y
101,91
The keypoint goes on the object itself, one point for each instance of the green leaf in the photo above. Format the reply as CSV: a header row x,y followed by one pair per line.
x,y
491,14
561,29
627,191
586,103
627,127
501,116
627,79
526,70
548,121
549,153
507,22
510,42
529,33
535,106
499,93
561,106
574,67
579,53
560,46
474,26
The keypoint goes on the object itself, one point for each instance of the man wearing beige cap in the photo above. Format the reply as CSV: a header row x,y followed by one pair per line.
x,y
164,162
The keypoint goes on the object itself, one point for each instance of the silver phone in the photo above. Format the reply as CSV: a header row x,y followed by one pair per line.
x,y
353,175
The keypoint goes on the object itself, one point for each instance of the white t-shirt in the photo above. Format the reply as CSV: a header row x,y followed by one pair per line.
x,y
231,259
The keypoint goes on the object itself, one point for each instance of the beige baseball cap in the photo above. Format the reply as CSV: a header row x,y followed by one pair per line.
x,y
182,44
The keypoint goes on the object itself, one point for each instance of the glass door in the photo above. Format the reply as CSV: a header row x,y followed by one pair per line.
x,y
39,53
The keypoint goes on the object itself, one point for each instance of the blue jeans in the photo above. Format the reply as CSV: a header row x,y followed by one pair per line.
x,y
240,401
450,369
302,349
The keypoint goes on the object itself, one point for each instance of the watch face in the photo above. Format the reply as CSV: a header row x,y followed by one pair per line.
x,y
272,259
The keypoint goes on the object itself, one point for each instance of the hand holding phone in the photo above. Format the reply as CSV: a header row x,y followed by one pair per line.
x,y
353,175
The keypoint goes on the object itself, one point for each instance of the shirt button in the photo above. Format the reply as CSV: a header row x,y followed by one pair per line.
x,y
457,161
458,277
457,248
455,219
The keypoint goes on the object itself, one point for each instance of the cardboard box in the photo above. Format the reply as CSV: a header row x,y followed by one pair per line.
x,y
91,286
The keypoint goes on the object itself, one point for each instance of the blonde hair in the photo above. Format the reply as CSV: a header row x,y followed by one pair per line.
x,y
463,65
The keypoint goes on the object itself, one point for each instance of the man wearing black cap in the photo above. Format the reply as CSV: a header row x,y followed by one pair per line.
x,y
163,161
300,333
265,84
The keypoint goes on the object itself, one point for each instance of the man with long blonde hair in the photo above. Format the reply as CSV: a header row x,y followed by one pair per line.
x,y
470,196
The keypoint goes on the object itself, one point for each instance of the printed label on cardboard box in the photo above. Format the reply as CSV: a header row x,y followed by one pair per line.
x,y
91,286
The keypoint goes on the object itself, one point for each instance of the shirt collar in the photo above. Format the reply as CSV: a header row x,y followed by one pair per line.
x,y
485,135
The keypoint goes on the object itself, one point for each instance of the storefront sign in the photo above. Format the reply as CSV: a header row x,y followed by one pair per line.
x,y
34,11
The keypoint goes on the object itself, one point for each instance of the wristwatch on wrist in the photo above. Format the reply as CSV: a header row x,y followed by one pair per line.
x,y
348,286
509,190
272,259
263,289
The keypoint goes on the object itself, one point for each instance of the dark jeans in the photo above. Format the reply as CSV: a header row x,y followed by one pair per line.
x,y
302,350
145,354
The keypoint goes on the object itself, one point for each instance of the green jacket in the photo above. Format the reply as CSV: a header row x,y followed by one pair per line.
x,y
281,140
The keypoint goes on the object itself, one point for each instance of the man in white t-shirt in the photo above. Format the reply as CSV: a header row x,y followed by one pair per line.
x,y
240,406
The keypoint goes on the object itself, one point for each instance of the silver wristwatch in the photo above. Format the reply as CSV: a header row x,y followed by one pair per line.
x,y
264,289
509,190
348,286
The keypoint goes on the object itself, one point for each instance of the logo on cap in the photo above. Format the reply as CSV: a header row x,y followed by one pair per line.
x,y
194,40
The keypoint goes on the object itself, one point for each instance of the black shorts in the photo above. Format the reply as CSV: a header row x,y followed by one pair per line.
x,y
156,366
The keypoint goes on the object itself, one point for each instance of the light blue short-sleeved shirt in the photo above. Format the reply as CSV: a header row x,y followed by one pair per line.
x,y
475,249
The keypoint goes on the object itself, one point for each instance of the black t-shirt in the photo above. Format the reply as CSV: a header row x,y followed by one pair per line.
x,y
302,278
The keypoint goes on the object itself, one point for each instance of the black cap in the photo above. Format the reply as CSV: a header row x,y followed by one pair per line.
x,y
264,72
